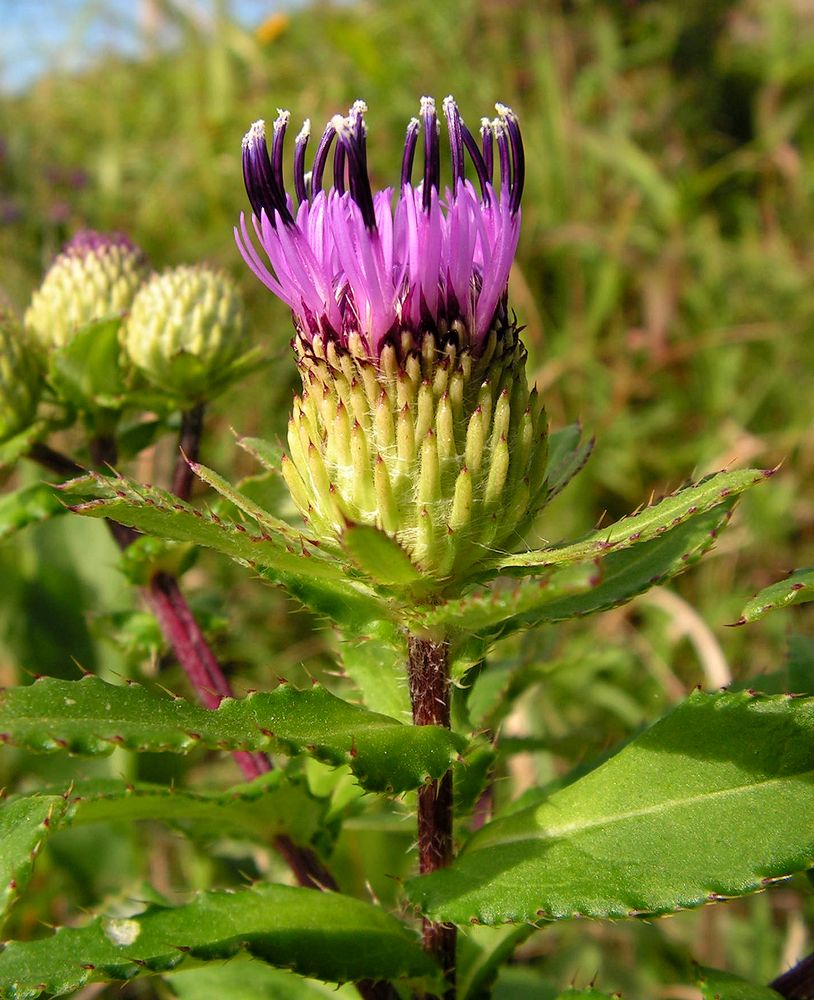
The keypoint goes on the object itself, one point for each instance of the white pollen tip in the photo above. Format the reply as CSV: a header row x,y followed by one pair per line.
x,y
485,125
504,110
340,125
449,102
427,105
305,132
357,109
282,118
257,133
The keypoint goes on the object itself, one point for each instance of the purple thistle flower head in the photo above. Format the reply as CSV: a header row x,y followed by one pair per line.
x,y
347,261
89,241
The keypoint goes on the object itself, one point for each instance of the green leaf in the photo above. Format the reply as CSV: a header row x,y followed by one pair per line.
x,y
90,717
246,505
274,804
15,448
668,513
583,589
268,453
24,826
29,505
587,994
379,556
86,372
801,664
481,953
247,979
316,581
320,934
567,455
797,588
716,985
713,801
376,663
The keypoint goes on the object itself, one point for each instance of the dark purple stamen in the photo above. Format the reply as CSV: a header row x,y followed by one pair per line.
x,y
263,172
300,145
488,158
432,152
340,155
277,144
456,141
321,158
484,177
265,194
518,155
353,141
504,154
410,141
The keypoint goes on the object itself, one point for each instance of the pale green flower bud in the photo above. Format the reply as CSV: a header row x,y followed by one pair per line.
x,y
95,277
442,449
20,378
185,329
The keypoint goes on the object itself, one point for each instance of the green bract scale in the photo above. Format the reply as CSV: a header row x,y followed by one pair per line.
x,y
95,277
443,449
185,330
20,378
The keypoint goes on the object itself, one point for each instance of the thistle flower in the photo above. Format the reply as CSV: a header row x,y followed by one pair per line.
x,y
95,277
185,330
415,414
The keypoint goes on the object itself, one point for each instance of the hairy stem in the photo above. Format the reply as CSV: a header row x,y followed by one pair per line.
x,y
430,695
189,446
798,982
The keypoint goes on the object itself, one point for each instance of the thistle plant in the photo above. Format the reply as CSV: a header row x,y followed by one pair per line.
x,y
419,464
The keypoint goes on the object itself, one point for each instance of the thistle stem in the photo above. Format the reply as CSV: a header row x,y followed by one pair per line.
x,y
189,445
430,695
55,461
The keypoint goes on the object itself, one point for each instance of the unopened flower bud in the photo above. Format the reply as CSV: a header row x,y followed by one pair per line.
x,y
185,329
20,378
95,277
